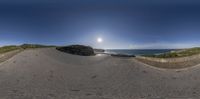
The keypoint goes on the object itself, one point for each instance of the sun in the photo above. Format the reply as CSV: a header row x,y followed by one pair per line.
x,y
99,40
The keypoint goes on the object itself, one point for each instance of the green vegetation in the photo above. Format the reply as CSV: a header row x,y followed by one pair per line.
x,y
27,46
179,53
5,49
8,48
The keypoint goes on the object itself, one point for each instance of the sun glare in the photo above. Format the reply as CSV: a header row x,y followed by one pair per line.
x,y
99,40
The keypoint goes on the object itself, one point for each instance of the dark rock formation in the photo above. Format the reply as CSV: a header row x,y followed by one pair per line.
x,y
77,50
99,50
122,55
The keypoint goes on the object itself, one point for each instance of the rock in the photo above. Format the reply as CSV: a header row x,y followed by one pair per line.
x,y
77,50
99,50
122,55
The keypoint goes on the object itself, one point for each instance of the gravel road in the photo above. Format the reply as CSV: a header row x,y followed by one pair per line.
x,y
51,74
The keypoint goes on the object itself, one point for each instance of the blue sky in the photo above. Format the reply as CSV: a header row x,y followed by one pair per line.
x,y
120,23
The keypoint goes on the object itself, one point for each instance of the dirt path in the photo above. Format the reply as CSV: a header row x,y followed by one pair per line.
x,y
50,74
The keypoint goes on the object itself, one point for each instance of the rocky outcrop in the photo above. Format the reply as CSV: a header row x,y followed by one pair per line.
x,y
77,50
122,55
99,50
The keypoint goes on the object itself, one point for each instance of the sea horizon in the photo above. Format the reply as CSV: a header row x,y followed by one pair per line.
x,y
138,51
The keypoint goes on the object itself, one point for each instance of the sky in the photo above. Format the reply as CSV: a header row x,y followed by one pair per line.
x,y
121,24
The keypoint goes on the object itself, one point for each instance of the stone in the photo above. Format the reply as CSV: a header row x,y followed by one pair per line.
x,y
77,50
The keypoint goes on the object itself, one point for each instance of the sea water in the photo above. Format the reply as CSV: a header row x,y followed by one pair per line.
x,y
138,51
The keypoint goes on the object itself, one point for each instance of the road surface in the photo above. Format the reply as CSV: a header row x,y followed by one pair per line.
x,y
51,74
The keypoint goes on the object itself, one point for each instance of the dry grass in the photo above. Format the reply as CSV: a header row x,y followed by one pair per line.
x,y
178,53
174,65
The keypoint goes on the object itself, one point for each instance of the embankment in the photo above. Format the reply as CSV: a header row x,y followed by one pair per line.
x,y
171,63
7,55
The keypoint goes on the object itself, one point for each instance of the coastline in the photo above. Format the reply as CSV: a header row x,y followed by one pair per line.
x,y
45,71
167,63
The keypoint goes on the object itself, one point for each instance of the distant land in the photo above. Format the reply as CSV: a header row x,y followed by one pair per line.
x,y
178,53
9,48
163,53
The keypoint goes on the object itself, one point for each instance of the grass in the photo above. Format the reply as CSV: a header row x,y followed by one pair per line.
x,y
28,46
8,48
180,53
5,49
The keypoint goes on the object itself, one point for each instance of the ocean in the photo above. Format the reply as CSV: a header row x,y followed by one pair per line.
x,y
138,51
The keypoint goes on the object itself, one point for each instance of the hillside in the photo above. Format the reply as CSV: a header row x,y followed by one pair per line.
x,y
5,49
178,53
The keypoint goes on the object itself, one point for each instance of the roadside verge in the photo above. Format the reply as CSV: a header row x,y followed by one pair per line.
x,y
171,63
7,55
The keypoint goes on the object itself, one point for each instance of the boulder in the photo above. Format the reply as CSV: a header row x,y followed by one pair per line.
x,y
77,50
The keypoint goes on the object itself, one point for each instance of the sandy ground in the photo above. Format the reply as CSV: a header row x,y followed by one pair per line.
x,y
50,74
